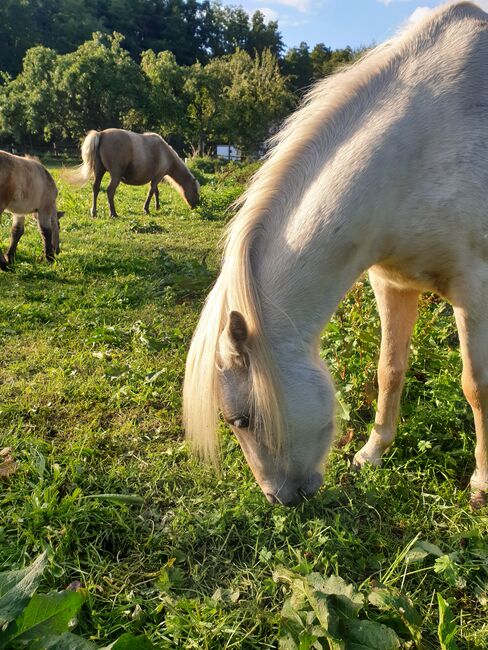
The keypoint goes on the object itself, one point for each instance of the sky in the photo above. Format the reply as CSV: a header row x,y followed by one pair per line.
x,y
338,23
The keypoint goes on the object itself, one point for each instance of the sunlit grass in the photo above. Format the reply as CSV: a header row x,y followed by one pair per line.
x,y
92,357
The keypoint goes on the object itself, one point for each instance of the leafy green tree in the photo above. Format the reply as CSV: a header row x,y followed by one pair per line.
x,y
99,86
255,99
165,107
337,59
15,32
319,57
203,90
264,36
298,65
29,104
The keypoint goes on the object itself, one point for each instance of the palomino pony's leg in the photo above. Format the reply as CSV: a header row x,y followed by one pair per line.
x,y
398,313
44,222
99,173
153,191
470,310
112,186
15,234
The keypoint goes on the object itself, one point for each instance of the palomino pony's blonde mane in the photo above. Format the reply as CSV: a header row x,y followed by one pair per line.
x,y
299,152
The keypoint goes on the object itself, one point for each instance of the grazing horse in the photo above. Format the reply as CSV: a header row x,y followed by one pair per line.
x,y
26,186
134,159
384,167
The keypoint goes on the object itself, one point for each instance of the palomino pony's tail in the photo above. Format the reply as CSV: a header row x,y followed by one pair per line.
x,y
89,150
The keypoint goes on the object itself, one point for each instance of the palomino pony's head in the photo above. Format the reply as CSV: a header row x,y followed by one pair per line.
x,y
191,192
277,401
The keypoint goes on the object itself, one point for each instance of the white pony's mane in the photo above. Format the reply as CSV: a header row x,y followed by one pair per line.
x,y
298,151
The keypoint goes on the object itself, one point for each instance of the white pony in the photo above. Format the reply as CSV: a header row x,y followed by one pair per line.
x,y
384,167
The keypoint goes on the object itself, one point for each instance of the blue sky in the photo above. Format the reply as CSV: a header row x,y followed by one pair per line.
x,y
338,23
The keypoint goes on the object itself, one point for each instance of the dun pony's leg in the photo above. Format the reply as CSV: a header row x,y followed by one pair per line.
x,y
3,261
99,173
112,186
472,322
15,234
148,199
55,232
398,313
156,195
45,228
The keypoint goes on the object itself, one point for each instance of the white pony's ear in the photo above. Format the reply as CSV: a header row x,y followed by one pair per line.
x,y
237,331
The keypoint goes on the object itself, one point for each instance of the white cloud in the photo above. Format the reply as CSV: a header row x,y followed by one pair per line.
x,y
388,2
419,14
303,6
269,14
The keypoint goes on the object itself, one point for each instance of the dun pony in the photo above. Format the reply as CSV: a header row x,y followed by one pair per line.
x,y
26,186
134,159
384,168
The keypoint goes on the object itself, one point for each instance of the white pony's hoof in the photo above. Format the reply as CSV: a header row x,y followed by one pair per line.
x,y
478,499
362,458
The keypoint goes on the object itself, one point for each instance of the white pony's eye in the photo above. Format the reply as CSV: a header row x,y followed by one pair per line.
x,y
241,423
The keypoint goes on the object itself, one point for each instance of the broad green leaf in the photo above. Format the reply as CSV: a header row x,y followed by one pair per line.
x,y
287,642
130,642
389,599
289,612
432,549
447,628
46,614
16,587
348,599
415,554
66,641
370,635
320,606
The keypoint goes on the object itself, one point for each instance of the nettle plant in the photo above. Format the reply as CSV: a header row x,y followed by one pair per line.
x,y
44,621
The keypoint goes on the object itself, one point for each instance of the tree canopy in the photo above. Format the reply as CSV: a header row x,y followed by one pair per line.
x,y
196,71
193,30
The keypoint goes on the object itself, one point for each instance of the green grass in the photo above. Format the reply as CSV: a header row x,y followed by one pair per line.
x,y
91,364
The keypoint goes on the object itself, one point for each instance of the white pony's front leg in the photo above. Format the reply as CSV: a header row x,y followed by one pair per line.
x,y
471,312
398,313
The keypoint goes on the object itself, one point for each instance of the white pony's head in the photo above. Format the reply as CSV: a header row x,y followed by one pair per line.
x,y
287,453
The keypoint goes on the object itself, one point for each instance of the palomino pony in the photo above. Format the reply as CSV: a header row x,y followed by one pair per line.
x,y
384,167
26,186
134,159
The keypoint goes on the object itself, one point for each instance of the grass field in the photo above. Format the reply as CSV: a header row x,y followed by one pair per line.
x,y
91,364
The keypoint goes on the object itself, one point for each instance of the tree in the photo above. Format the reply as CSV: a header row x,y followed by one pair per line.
x,y
264,36
99,86
165,106
29,104
255,99
298,65
319,57
203,90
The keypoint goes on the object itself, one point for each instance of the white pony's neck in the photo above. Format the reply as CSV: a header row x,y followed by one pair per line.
x,y
327,194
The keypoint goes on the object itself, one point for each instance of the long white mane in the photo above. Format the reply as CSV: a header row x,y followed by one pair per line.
x,y
301,148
